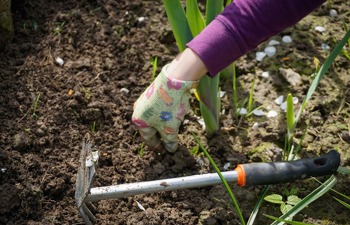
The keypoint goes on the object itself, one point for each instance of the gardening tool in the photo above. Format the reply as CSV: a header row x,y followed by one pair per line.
x,y
244,175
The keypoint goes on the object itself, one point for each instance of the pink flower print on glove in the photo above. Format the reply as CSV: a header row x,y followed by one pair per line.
x,y
150,91
139,123
174,84
182,111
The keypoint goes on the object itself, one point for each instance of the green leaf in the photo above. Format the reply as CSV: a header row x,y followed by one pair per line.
x,y
213,8
255,211
342,202
287,221
178,21
274,198
293,191
285,208
344,170
290,117
194,17
293,200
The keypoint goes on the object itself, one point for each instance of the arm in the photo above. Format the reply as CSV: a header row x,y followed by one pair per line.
x,y
243,25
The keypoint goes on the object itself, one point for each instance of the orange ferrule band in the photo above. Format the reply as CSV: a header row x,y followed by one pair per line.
x,y
241,176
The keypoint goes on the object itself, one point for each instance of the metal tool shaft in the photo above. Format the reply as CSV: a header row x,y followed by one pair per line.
x,y
124,190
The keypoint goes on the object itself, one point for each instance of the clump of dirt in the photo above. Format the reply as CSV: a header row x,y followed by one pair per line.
x,y
106,47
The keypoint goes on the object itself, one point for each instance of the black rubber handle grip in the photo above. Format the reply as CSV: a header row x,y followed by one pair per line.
x,y
284,172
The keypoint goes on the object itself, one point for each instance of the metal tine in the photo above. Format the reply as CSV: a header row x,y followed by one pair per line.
x,y
91,207
85,217
88,213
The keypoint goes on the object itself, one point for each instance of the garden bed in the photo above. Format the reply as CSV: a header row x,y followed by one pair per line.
x,y
107,48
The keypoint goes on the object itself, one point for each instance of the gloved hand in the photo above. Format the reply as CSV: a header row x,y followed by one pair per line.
x,y
160,110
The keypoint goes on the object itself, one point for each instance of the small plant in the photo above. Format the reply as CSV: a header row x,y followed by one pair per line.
x,y
248,106
35,105
154,67
195,150
141,149
93,127
291,199
87,93
59,27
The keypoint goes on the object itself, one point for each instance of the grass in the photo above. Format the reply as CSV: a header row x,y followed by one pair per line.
x,y
33,108
154,64
228,189
295,204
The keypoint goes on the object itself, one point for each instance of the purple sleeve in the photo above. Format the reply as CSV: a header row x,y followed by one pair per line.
x,y
243,25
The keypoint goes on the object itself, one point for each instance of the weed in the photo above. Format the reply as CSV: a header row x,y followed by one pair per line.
x,y
285,205
93,127
154,67
87,93
59,27
141,149
35,105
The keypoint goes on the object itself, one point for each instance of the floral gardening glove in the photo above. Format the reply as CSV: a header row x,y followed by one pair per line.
x,y
160,110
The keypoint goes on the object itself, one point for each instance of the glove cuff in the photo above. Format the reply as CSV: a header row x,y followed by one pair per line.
x,y
175,84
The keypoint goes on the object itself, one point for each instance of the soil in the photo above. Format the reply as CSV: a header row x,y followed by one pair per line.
x,y
107,46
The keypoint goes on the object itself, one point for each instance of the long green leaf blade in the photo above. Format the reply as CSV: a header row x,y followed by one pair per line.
x,y
287,221
194,17
322,71
257,206
343,203
213,8
290,116
178,21
228,189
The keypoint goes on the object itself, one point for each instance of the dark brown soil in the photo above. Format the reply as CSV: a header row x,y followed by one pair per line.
x,y
46,109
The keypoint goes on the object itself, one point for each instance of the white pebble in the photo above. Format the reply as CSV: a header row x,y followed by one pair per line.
x,y
271,114
279,100
59,61
140,19
325,46
201,122
260,56
265,74
258,112
270,51
295,100
140,206
274,42
125,90
222,93
283,106
255,126
333,13
287,39
320,29
3,170
242,111
227,165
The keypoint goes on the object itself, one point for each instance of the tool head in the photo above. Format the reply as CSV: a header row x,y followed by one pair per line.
x,y
85,178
